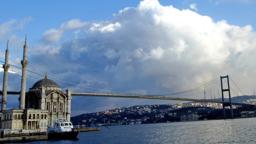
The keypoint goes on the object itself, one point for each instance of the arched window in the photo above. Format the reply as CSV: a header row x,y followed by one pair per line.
x,y
54,107
61,107
48,106
15,116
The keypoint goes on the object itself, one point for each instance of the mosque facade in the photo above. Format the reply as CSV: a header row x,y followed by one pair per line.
x,y
39,108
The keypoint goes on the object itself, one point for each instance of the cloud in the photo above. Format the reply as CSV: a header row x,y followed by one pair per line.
x,y
105,28
10,71
54,35
193,6
73,24
149,49
8,28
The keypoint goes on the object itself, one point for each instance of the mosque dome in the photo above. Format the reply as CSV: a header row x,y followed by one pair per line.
x,y
45,82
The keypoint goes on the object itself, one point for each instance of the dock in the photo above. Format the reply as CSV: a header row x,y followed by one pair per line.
x,y
87,129
23,138
37,137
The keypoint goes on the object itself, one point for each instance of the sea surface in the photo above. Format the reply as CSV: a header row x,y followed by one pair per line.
x,y
236,131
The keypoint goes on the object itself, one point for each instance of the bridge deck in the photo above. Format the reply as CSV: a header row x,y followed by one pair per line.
x,y
133,96
153,97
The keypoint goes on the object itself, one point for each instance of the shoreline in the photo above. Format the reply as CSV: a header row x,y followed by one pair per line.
x,y
42,137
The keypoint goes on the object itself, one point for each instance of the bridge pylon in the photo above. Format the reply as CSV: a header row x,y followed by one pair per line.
x,y
223,91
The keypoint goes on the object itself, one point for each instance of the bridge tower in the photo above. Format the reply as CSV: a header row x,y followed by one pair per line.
x,y
223,91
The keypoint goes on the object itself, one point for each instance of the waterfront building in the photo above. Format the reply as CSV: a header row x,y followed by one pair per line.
x,y
28,119
39,108
45,94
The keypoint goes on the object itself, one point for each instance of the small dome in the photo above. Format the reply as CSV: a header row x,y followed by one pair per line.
x,y
45,83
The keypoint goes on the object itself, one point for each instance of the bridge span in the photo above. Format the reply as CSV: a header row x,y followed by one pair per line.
x,y
138,96
154,97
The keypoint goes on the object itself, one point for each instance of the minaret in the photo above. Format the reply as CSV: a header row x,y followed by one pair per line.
x,y
68,105
5,78
24,63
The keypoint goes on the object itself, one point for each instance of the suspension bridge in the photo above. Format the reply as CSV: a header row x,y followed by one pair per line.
x,y
169,97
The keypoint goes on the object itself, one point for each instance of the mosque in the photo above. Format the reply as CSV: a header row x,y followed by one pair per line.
x,y
39,107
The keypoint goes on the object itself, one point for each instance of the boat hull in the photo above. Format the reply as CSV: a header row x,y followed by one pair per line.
x,y
72,135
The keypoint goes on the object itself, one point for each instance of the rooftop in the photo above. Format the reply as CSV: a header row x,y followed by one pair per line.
x,y
45,82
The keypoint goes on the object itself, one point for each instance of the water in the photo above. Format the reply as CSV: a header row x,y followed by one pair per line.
x,y
238,131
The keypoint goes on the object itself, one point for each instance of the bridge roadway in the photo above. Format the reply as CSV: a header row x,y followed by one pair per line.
x,y
155,97
137,96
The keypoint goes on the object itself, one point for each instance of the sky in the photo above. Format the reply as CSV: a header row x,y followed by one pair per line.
x,y
132,46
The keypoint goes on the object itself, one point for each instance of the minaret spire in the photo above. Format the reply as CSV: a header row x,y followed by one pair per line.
x,y
24,63
46,76
5,77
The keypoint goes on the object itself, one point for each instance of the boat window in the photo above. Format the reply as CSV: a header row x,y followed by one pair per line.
x,y
66,124
70,124
62,124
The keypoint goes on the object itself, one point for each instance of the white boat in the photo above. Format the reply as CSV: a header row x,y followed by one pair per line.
x,y
62,129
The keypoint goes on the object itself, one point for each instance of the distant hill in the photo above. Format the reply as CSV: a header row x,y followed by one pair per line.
x,y
156,113
244,98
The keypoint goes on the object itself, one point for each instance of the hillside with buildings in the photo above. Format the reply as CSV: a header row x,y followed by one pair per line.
x,y
143,114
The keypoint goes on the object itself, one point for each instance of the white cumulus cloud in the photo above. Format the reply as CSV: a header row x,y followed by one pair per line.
x,y
150,48
162,47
